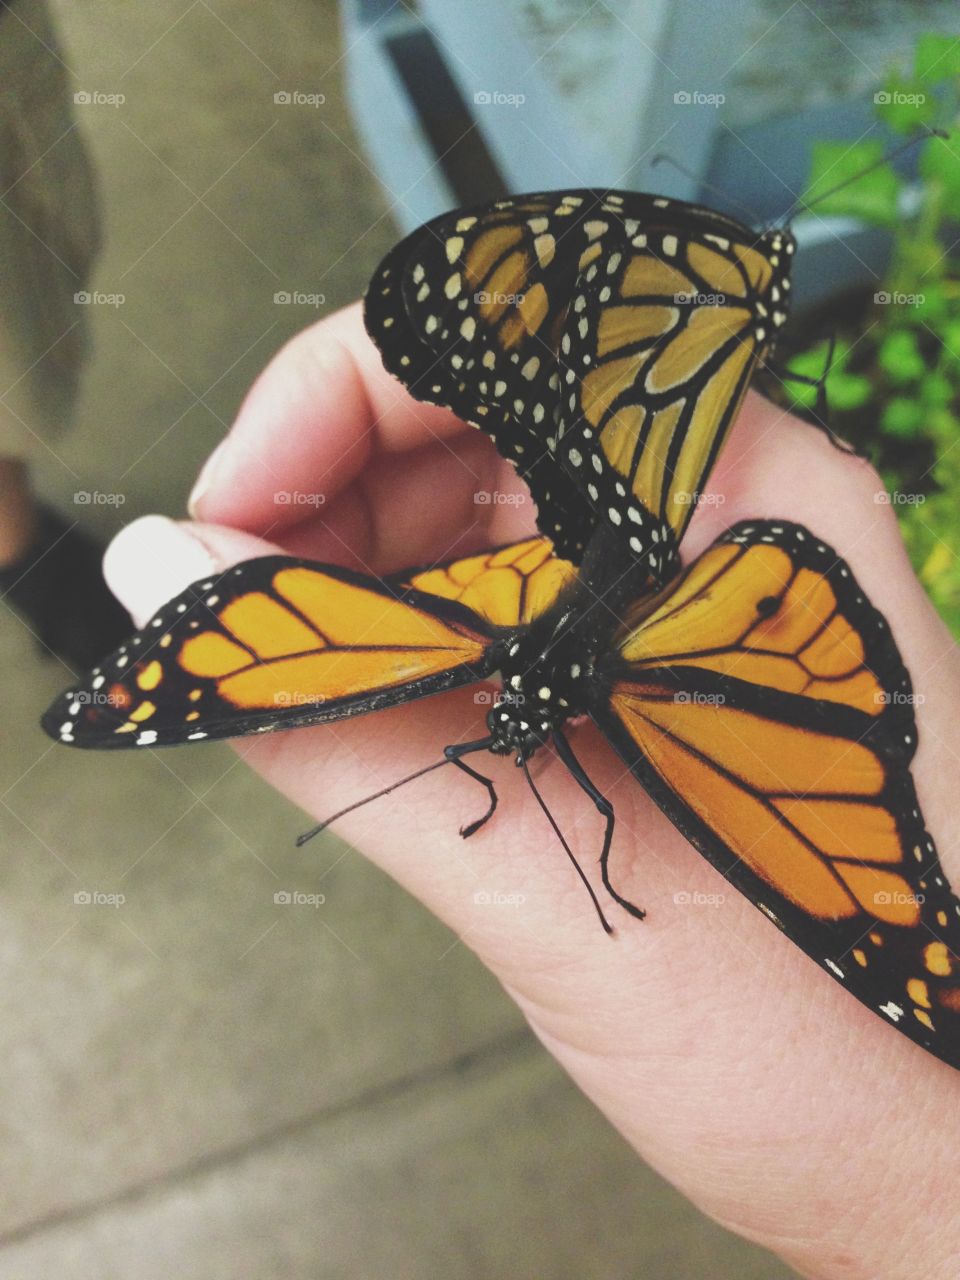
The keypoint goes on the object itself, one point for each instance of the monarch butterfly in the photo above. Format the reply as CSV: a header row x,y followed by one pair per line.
x,y
604,340
759,698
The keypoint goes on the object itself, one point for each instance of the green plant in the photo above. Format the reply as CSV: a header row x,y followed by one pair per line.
x,y
893,386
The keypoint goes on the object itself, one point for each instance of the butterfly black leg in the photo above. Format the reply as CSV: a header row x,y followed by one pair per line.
x,y
577,772
453,754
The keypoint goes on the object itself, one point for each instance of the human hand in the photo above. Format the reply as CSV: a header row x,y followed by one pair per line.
x,y
746,1076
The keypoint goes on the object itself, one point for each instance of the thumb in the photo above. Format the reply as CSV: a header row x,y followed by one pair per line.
x,y
155,558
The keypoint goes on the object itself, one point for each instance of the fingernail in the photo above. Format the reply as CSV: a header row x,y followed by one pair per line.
x,y
205,479
152,560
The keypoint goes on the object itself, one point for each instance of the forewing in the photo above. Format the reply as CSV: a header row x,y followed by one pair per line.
x,y
273,643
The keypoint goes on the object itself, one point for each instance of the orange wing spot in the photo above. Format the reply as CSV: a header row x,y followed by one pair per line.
x,y
767,756
195,695
860,957
143,712
531,556
119,696
622,326
808,602
876,939
351,615
487,249
493,585
758,269
531,308
713,605
506,283
545,585
266,627
602,385
882,894
922,1016
719,272
192,715
938,959
516,551
745,824
837,651
707,330
619,437
647,276
210,654
590,254
150,676
845,829
332,674
919,992
649,475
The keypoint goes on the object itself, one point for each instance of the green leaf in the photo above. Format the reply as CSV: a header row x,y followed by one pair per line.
x,y
902,417
934,310
870,196
848,391
900,357
936,390
905,105
950,337
940,164
937,58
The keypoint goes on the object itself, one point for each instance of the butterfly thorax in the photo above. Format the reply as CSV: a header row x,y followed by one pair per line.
x,y
548,668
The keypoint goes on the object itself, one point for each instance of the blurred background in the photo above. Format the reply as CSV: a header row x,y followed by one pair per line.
x,y
206,1074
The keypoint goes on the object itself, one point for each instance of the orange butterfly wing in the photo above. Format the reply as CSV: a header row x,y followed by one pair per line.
x,y
272,644
762,702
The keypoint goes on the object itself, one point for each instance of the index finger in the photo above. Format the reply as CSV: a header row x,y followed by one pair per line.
x,y
312,421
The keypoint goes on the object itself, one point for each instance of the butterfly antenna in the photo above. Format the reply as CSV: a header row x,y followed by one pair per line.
x,y
451,756
921,136
701,183
608,928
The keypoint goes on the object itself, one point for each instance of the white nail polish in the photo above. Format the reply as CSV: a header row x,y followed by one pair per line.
x,y
152,560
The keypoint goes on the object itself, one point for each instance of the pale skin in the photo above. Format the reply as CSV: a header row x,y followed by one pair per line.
x,y
744,1074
